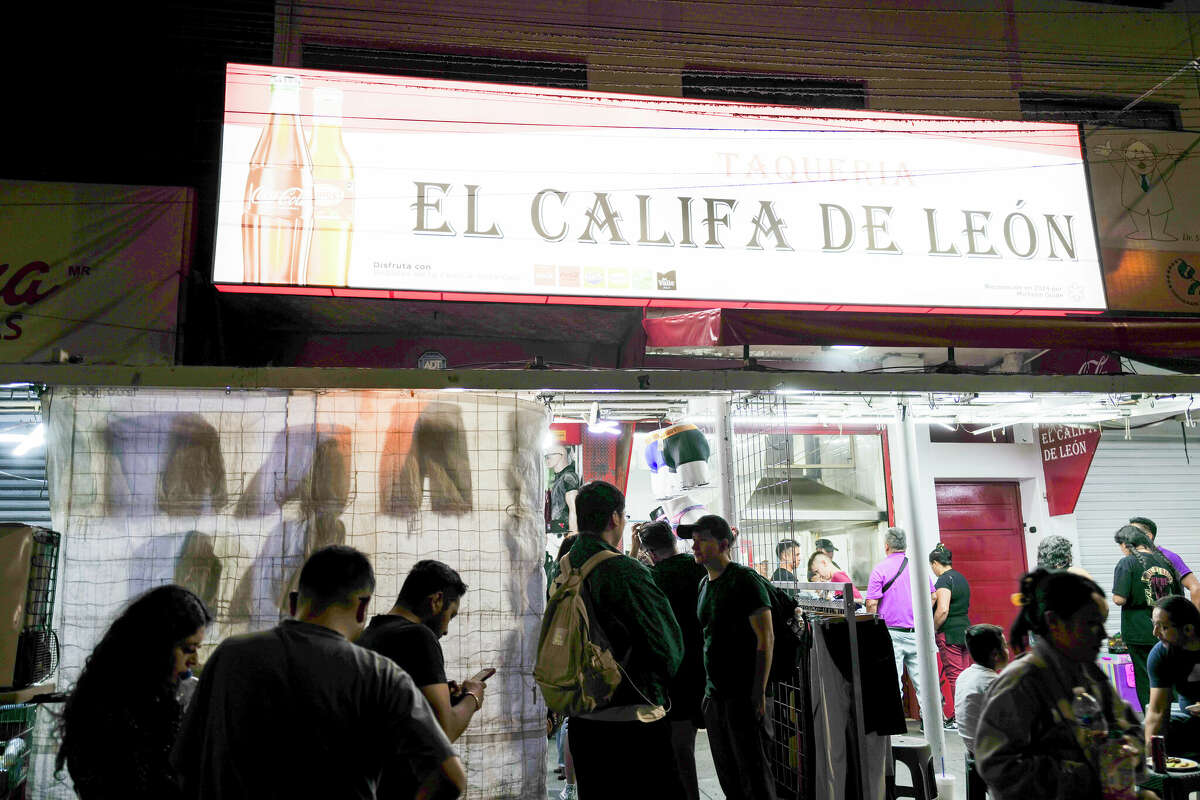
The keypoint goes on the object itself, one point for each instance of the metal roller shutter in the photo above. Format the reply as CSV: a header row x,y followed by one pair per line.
x,y
23,492
1147,476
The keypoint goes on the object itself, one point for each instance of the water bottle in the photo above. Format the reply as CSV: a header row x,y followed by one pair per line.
x,y
1089,715
186,689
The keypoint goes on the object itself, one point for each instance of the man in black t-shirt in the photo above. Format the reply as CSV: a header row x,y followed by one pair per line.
x,y
735,614
679,576
788,553
408,634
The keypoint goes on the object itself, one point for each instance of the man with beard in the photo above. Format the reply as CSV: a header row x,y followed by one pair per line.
x,y
408,634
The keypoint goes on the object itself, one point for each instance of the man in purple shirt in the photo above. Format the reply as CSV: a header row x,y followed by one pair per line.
x,y
1187,578
889,595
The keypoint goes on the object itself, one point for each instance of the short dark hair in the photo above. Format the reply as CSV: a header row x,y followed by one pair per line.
x,y
784,546
333,575
657,535
941,555
1146,521
595,504
430,577
1181,611
983,641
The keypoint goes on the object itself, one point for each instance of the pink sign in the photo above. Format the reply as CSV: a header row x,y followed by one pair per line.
x,y
1067,453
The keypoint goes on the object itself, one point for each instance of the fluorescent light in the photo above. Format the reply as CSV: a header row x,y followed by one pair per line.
x,y
605,426
848,348
35,438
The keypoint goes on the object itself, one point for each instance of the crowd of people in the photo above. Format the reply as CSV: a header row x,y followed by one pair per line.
x,y
367,702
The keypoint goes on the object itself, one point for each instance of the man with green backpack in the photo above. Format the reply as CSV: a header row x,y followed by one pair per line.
x,y
608,648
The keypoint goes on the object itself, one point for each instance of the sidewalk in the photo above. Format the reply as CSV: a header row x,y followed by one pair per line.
x,y
710,789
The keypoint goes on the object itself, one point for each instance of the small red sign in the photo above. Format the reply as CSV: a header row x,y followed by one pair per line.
x,y
569,433
1067,453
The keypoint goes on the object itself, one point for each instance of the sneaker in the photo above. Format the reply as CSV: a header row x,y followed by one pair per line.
x,y
950,725
569,792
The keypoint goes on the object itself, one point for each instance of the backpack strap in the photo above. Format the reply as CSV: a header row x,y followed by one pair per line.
x,y
565,569
595,561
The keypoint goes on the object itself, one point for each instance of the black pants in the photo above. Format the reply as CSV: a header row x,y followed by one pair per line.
x,y
1183,735
739,748
602,752
1138,653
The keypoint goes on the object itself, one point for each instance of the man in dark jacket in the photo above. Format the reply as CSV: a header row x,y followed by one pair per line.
x,y
645,638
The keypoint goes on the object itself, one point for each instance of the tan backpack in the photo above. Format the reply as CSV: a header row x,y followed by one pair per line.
x,y
575,666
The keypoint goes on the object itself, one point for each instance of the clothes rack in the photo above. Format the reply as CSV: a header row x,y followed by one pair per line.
x,y
819,601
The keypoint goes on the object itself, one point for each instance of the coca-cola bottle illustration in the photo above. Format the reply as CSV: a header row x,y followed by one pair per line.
x,y
277,217
333,193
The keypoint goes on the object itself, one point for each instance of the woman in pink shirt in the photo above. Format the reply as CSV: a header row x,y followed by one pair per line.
x,y
820,568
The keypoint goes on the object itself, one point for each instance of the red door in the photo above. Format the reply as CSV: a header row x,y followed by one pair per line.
x,y
980,523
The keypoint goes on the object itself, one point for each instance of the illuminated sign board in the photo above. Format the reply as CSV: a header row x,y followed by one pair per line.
x,y
348,184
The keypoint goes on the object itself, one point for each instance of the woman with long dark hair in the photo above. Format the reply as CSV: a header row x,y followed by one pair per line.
x,y
1141,578
1028,742
122,717
951,602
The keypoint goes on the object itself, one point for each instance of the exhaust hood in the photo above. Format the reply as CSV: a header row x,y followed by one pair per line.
x,y
808,499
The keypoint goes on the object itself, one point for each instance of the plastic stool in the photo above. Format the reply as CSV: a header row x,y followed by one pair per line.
x,y
914,753
976,788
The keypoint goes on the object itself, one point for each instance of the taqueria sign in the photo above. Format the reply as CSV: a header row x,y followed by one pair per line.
x,y
410,187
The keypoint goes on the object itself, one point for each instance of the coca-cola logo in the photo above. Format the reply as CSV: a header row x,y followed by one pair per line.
x,y
288,197
23,287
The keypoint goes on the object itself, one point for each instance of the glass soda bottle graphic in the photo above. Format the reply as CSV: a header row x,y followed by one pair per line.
x,y
333,193
277,218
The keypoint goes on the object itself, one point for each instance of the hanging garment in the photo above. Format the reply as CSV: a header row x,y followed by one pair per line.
x,y
834,777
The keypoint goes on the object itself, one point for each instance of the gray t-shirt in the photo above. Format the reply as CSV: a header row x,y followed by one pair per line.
x,y
298,711
969,693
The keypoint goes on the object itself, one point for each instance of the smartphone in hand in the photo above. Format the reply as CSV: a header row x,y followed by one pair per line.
x,y
484,674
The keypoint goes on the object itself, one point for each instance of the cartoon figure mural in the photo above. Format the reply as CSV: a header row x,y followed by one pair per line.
x,y
1145,192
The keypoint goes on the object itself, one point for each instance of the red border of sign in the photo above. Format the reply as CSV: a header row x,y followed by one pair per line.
x,y
635,302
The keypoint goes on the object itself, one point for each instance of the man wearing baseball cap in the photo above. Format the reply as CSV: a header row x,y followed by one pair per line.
x,y
735,615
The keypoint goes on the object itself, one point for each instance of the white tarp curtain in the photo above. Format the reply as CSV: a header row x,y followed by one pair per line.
x,y
92,269
227,493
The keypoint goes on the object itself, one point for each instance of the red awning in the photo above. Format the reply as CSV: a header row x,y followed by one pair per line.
x,y
1147,338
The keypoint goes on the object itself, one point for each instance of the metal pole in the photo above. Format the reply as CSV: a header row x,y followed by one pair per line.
x,y
920,533
724,432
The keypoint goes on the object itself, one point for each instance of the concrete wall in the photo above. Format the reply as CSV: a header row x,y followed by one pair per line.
x,y
967,58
